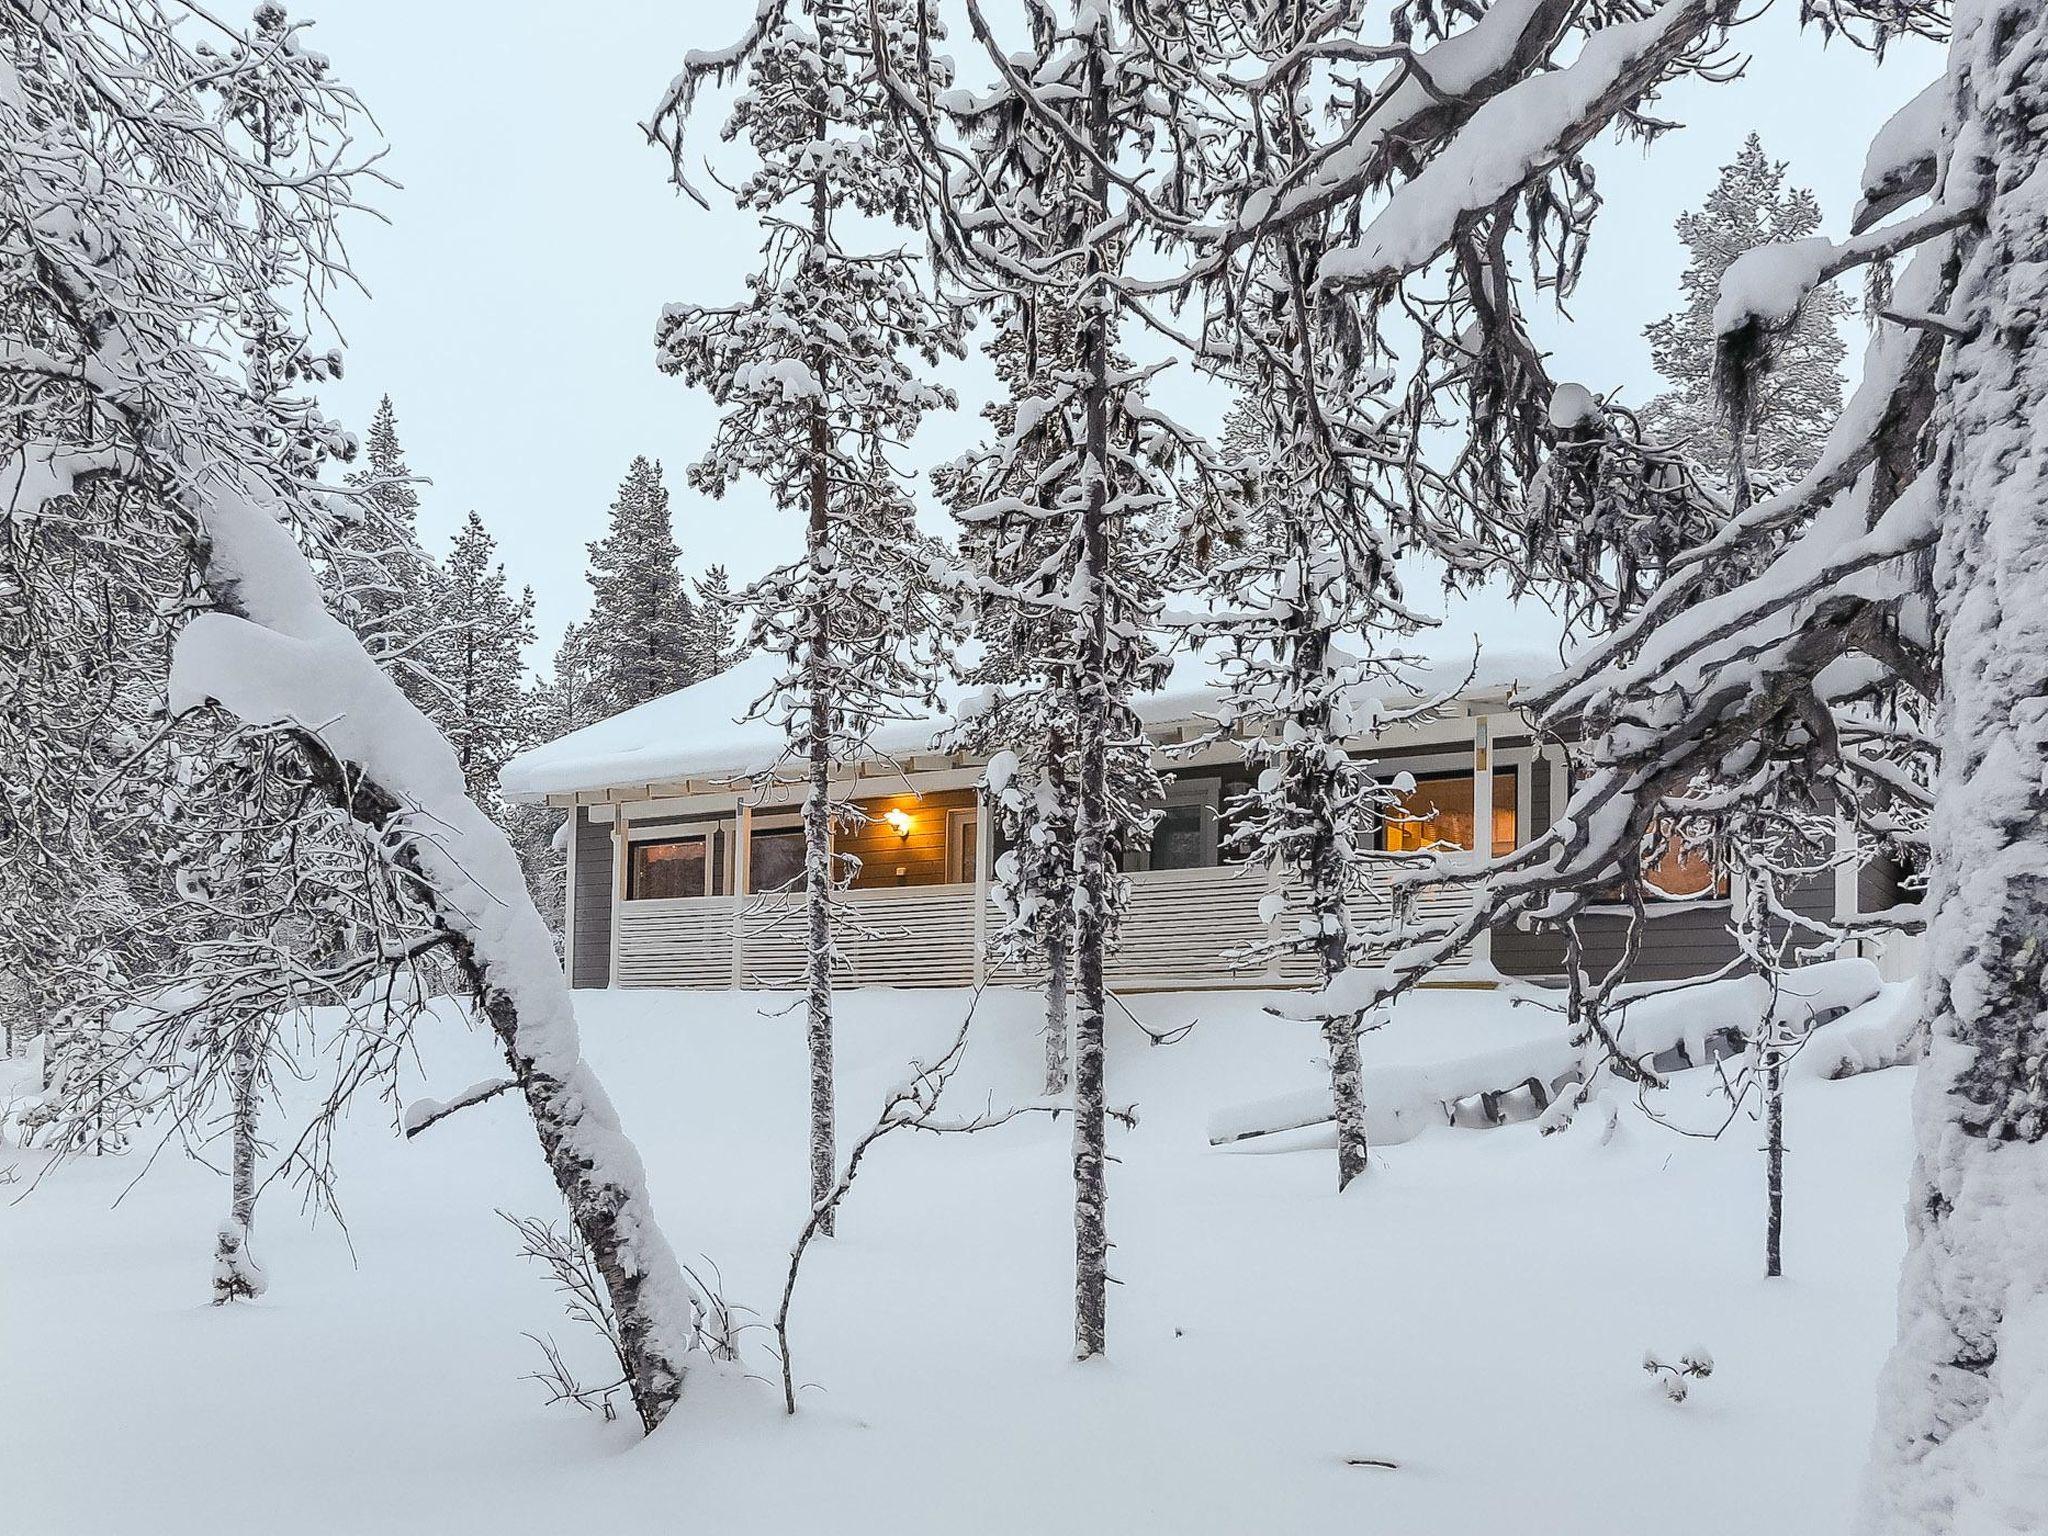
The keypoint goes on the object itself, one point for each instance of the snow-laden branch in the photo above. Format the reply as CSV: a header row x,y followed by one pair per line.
x,y
1535,124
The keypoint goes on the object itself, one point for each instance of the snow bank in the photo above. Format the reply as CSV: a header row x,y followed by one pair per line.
x,y
1404,1097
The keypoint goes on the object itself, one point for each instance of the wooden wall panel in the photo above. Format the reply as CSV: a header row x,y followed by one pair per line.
x,y
920,859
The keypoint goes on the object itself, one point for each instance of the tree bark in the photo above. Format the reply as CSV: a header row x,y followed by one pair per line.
x,y
1056,1022
1961,1401
1774,1154
1327,880
236,1275
1094,838
818,801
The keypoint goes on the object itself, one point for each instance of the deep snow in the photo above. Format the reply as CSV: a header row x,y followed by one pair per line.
x,y
1476,1310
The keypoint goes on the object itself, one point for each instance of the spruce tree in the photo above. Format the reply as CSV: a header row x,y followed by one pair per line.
x,y
484,705
1072,513
718,612
383,574
1800,392
639,641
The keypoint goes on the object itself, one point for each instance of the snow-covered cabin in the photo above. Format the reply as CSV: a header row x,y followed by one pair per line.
x,y
679,869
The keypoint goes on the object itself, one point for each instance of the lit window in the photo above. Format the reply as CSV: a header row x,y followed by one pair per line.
x,y
1681,866
1437,813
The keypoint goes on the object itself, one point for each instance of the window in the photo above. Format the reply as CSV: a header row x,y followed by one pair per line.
x,y
963,846
1682,867
669,868
1437,813
1184,836
776,861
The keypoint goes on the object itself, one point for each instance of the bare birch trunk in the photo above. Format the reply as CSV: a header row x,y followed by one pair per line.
x,y
236,1274
1961,1400
1094,840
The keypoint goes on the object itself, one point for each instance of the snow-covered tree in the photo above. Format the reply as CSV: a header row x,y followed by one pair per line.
x,y
639,641
1072,509
139,225
1894,565
483,703
384,574
1024,727
1799,393
821,370
717,619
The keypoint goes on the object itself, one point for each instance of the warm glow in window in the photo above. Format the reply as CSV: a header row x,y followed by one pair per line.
x,y
1677,869
1438,814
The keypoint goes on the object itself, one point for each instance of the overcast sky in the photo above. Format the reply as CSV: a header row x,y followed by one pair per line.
x,y
513,294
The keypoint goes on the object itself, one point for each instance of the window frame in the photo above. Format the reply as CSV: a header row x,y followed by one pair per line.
x,y
1512,772
959,869
1204,791
772,826
666,837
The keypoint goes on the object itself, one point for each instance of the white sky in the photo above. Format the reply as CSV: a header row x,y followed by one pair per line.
x,y
515,290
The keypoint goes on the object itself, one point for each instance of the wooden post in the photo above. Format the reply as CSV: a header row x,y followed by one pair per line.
x,y
622,853
1847,871
569,896
1482,822
742,884
982,865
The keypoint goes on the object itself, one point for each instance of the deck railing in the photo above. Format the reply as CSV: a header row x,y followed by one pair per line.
x,y
1183,928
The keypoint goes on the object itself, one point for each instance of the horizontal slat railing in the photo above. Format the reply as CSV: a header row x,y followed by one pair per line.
x,y
683,943
1184,927
1191,926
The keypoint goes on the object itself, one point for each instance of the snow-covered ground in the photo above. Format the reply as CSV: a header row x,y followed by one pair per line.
x,y
1475,1312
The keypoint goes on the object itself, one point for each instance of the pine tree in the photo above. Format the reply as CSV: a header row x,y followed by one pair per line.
x,y
639,640
817,372
718,613
1800,394
1072,513
384,576
484,705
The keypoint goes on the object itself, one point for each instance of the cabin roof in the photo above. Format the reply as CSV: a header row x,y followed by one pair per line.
x,y
701,732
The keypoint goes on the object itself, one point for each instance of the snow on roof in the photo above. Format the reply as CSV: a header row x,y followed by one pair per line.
x,y
701,732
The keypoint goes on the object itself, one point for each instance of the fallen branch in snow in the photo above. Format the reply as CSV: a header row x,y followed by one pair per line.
x,y
1173,1036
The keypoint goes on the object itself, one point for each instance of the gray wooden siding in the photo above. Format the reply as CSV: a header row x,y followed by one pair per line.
x,y
590,946
1678,940
1877,886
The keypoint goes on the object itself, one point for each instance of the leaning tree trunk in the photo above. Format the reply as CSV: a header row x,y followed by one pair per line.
x,y
1964,1398
271,654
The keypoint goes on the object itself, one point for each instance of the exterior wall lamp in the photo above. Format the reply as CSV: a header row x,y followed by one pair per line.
x,y
899,821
